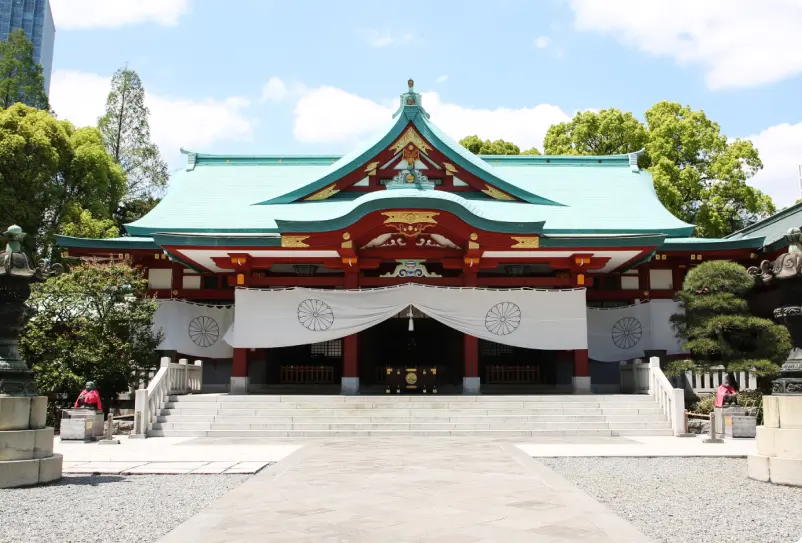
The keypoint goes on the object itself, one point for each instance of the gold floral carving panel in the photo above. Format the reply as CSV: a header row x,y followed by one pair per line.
x,y
324,194
493,192
410,217
294,242
526,242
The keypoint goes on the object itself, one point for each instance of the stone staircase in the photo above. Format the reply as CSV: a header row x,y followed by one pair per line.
x,y
220,415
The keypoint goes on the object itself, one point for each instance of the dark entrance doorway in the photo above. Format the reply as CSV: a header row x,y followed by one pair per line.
x,y
430,344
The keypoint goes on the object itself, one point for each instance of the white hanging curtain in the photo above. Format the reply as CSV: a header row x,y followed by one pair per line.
x,y
623,333
535,319
194,329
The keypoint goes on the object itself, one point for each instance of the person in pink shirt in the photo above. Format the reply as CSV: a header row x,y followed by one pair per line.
x,y
89,398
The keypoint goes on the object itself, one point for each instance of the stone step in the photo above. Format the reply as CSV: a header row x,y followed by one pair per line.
x,y
412,426
378,412
401,433
393,398
412,420
403,405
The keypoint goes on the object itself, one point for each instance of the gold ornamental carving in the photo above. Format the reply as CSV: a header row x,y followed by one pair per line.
x,y
346,236
324,194
410,217
450,168
370,169
526,242
294,242
410,136
473,245
474,236
493,192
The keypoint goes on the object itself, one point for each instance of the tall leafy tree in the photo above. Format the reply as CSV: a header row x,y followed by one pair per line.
x,y
91,324
85,225
478,146
608,132
699,175
21,78
133,209
126,134
719,328
49,172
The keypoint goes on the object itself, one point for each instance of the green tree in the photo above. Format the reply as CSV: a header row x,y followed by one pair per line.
x,y
126,134
719,328
699,175
21,78
87,226
608,132
487,147
48,170
93,323
134,209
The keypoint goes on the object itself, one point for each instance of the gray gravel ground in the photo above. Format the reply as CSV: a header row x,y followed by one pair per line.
x,y
107,508
680,500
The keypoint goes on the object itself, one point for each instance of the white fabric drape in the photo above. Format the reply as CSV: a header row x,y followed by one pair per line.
x,y
623,333
535,319
194,329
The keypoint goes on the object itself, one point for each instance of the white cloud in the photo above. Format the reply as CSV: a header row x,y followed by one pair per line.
x,y
542,42
274,89
780,149
376,38
739,43
441,79
80,97
83,14
329,114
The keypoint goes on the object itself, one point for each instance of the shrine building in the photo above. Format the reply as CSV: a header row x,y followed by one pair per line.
x,y
488,273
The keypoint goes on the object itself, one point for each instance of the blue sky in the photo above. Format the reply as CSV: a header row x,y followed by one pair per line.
x,y
303,77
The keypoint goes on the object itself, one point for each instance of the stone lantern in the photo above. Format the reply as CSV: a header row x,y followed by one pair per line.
x,y
26,444
779,440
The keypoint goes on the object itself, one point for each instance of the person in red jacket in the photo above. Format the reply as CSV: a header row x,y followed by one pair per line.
x,y
89,398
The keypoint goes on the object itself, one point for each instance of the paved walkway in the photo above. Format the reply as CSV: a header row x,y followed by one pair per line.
x,y
406,490
640,446
172,455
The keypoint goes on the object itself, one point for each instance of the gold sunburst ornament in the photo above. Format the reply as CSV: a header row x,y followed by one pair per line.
x,y
526,242
294,242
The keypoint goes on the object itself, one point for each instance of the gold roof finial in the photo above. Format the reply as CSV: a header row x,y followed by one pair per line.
x,y
411,83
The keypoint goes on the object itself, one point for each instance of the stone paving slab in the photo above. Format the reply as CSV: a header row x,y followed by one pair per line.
x,y
406,490
164,468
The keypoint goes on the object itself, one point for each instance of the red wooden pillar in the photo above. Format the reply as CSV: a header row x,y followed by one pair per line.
x,y
470,379
581,379
350,379
239,372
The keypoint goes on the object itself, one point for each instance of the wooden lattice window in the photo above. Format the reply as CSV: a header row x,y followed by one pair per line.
x,y
327,349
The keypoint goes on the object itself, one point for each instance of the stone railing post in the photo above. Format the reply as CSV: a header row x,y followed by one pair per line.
x,y
183,379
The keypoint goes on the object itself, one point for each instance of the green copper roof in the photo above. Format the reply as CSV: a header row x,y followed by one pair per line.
x,y
468,211
560,195
124,243
773,228
385,137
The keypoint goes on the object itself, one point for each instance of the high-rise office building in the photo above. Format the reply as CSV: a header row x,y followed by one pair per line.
x,y
36,19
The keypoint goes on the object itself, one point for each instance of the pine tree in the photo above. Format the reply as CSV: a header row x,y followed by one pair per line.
x,y
719,328
126,134
21,78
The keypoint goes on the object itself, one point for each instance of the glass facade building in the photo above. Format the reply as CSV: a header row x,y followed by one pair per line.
x,y
36,19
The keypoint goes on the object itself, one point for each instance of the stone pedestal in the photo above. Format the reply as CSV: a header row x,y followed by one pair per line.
x,y
81,424
471,385
723,419
26,445
349,385
779,442
581,384
239,385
